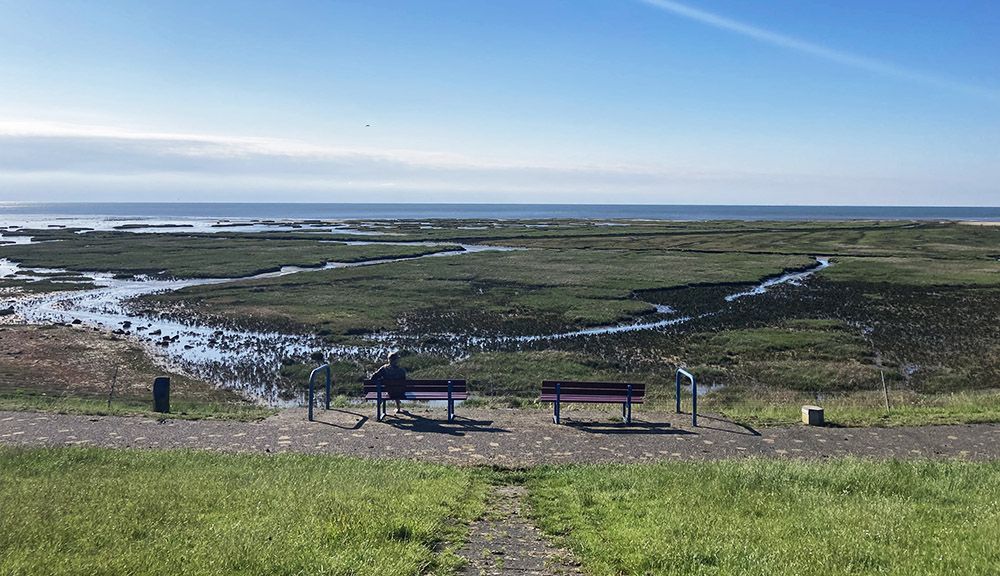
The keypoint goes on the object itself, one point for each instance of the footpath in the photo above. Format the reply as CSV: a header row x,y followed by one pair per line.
x,y
506,438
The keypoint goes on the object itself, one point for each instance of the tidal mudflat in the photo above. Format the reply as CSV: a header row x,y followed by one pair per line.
x,y
772,312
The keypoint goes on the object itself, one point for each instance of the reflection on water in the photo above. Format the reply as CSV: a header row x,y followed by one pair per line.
x,y
243,360
794,278
183,225
8,239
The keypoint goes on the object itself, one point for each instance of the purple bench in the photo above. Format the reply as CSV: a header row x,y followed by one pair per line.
x,y
385,390
624,393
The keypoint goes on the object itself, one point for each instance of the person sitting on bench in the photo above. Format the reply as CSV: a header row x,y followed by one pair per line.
x,y
391,372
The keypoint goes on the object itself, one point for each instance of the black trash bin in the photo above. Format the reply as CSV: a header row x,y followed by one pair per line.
x,y
161,394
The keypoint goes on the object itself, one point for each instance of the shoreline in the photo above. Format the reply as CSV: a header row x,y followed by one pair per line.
x,y
507,212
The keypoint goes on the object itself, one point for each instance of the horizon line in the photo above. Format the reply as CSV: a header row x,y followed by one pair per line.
x,y
6,203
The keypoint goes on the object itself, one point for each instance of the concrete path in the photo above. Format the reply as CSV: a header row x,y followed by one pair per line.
x,y
499,437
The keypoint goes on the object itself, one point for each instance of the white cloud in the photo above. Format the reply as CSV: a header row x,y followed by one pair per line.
x,y
62,162
816,50
42,147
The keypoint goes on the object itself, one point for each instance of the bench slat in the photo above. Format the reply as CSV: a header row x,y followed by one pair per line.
x,y
577,389
414,381
416,389
592,399
599,383
420,396
564,383
601,389
418,385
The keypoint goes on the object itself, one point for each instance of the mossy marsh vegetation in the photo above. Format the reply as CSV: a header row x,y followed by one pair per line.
x,y
915,302
522,292
194,255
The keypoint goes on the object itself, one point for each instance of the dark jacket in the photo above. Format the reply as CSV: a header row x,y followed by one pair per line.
x,y
388,373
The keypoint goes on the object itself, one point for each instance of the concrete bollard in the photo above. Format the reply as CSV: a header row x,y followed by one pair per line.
x,y
812,415
161,394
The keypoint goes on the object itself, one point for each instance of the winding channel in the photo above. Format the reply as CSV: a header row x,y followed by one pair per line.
x,y
242,360
247,361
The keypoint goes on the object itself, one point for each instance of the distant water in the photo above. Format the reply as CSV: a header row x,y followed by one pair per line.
x,y
499,211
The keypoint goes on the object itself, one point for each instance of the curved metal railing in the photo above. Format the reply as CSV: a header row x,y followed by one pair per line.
x,y
681,373
312,387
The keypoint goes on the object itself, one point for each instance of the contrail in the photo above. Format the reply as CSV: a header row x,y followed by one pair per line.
x,y
822,52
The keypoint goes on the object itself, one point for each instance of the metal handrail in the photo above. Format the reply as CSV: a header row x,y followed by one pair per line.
x,y
694,394
312,386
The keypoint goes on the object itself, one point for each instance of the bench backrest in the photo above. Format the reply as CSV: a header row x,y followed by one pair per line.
x,y
593,388
457,386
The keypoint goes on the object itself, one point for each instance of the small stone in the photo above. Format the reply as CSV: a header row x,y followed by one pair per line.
x,y
812,415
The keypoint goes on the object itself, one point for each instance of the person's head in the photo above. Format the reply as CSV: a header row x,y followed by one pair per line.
x,y
394,359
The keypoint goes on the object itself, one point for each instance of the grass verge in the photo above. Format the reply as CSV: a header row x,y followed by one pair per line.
x,y
772,518
856,409
94,511
75,371
28,401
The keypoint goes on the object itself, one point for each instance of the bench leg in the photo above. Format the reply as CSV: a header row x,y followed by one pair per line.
x,y
623,411
555,411
451,410
627,406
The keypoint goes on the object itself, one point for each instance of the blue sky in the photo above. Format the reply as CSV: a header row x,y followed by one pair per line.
x,y
631,101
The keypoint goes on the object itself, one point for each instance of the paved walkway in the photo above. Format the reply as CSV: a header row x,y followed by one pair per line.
x,y
499,437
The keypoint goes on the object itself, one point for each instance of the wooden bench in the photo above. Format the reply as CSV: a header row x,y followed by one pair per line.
x,y
624,393
386,390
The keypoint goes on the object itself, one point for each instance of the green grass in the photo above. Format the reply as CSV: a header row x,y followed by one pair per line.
x,y
17,285
523,292
195,256
794,340
93,511
900,239
33,401
100,511
917,271
70,370
854,409
771,518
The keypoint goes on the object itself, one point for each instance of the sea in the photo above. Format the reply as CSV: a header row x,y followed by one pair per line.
x,y
347,211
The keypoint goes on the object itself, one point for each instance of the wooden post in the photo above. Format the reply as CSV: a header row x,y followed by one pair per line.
x,y
885,391
111,392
